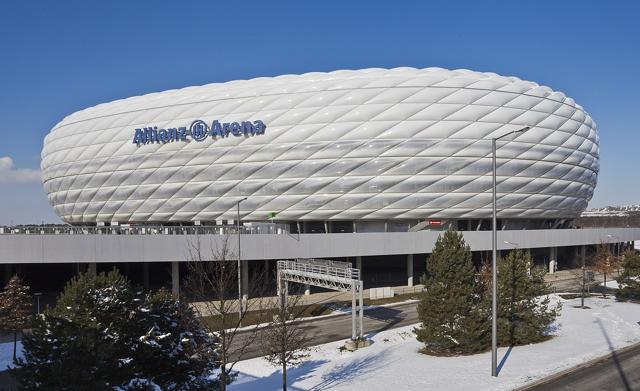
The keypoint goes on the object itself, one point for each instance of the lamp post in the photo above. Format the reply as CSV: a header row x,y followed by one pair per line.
x,y
241,303
37,295
494,246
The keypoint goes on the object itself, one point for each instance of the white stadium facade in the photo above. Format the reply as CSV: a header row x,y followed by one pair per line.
x,y
370,145
366,166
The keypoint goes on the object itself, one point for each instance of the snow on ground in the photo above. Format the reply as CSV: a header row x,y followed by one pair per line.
x,y
6,354
392,362
613,284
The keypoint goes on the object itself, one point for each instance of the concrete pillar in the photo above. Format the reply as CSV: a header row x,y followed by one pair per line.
x,y
552,259
409,269
307,289
175,279
7,274
245,279
583,255
145,275
91,269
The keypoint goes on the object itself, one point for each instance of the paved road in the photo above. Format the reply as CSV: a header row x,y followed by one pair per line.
x,y
339,327
618,371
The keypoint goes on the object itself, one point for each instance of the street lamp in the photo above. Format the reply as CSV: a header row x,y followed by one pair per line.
x,y
241,303
37,295
494,245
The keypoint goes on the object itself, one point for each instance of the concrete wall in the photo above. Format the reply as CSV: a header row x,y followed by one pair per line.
x,y
164,248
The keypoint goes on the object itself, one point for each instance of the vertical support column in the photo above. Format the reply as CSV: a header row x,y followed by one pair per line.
x,y
307,289
245,281
7,273
359,265
175,279
360,294
583,255
145,275
409,269
552,260
353,311
279,282
91,269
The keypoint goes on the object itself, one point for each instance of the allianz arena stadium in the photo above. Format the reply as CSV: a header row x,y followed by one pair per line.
x,y
395,146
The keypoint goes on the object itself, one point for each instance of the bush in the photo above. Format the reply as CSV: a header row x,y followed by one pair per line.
x,y
103,335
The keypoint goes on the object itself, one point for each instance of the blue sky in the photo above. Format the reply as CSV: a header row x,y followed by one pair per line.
x,y
59,57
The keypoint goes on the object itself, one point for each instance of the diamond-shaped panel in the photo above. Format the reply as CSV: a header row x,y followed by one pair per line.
x,y
367,144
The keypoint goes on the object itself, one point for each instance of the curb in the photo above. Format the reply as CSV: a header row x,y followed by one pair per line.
x,y
584,365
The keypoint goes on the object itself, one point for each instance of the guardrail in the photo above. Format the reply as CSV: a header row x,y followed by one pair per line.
x,y
262,228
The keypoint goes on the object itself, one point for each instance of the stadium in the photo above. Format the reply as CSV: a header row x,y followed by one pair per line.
x,y
364,166
375,145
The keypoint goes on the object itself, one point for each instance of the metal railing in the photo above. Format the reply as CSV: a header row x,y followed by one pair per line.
x,y
261,228
326,268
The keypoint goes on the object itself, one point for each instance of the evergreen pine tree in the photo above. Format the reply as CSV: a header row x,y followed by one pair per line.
x,y
452,317
629,281
525,311
16,306
102,335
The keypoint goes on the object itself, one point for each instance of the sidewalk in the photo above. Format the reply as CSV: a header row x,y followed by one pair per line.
x,y
575,274
321,297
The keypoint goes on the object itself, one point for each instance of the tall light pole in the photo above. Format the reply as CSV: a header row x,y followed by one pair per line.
x,y
494,247
241,303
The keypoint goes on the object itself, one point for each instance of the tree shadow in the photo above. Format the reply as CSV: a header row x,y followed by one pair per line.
x,y
348,372
248,382
614,357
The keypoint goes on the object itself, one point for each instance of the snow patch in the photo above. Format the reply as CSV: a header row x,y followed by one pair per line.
x,y
6,354
392,362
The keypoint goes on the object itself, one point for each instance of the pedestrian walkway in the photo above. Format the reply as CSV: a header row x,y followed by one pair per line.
x,y
318,298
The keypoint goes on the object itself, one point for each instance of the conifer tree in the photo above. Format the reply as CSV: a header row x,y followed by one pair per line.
x,y
452,317
16,306
103,335
525,311
629,281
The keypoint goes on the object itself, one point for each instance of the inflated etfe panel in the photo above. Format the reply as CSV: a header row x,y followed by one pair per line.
x,y
398,143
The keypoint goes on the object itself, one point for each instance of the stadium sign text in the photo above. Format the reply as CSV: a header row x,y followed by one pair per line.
x,y
198,131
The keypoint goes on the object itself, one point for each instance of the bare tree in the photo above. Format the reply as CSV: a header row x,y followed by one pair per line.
x,y
15,308
285,340
211,283
605,262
